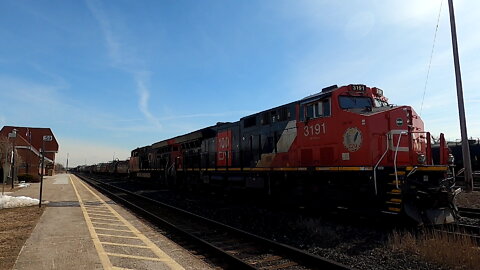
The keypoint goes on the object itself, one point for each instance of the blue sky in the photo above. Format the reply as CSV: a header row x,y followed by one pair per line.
x,y
108,76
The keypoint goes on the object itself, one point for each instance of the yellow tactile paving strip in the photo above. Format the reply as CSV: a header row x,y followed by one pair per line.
x,y
104,218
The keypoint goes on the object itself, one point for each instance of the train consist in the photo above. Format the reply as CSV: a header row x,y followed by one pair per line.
x,y
345,146
456,150
115,168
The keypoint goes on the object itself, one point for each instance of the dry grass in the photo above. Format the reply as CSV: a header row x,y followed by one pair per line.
x,y
453,251
16,226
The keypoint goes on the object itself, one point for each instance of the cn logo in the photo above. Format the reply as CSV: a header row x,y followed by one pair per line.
x,y
224,140
352,139
224,143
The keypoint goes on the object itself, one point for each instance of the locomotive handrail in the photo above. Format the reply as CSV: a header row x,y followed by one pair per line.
x,y
412,171
378,163
395,158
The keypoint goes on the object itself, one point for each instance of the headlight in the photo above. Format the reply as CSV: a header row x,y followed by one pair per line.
x,y
421,158
451,159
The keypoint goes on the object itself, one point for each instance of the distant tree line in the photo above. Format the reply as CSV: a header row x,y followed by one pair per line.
x,y
59,167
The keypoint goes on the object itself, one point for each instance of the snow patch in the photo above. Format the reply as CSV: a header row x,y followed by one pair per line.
x,y
20,201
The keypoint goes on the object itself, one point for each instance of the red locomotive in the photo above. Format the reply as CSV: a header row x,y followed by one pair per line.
x,y
345,146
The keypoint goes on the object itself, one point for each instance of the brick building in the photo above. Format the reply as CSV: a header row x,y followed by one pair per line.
x,y
28,143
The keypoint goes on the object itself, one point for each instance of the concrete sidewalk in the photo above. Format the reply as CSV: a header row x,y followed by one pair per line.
x,y
82,229
61,239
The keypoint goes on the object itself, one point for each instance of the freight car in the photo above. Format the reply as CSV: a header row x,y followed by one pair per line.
x,y
116,168
457,159
121,167
345,146
456,150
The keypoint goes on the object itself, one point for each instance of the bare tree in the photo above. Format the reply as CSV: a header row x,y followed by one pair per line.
x,y
5,157
5,150
59,167
18,160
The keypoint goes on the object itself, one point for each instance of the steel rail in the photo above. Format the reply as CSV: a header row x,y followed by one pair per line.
x,y
232,261
469,212
298,256
461,230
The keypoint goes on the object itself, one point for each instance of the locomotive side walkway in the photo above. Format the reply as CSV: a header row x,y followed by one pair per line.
x,y
82,229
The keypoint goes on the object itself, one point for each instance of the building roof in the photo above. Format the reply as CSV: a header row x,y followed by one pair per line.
x,y
33,138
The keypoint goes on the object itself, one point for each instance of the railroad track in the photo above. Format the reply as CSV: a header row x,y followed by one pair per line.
x,y
237,248
458,229
464,230
461,231
469,212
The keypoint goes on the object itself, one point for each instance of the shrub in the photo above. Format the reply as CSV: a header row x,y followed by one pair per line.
x,y
27,178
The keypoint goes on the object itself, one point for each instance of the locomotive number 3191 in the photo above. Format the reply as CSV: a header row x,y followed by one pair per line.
x,y
316,129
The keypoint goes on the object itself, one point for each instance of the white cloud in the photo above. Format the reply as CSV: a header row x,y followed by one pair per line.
x,y
113,47
321,13
25,91
411,12
48,107
123,58
144,96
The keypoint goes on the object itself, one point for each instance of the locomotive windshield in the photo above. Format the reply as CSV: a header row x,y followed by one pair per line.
x,y
349,102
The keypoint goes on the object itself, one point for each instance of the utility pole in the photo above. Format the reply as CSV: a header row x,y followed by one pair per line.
x,y
14,136
41,176
3,172
29,138
46,138
67,164
13,163
467,164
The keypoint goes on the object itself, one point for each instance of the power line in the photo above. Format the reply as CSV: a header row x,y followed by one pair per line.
x,y
431,56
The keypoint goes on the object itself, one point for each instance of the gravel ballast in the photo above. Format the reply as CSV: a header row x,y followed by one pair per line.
x,y
348,239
